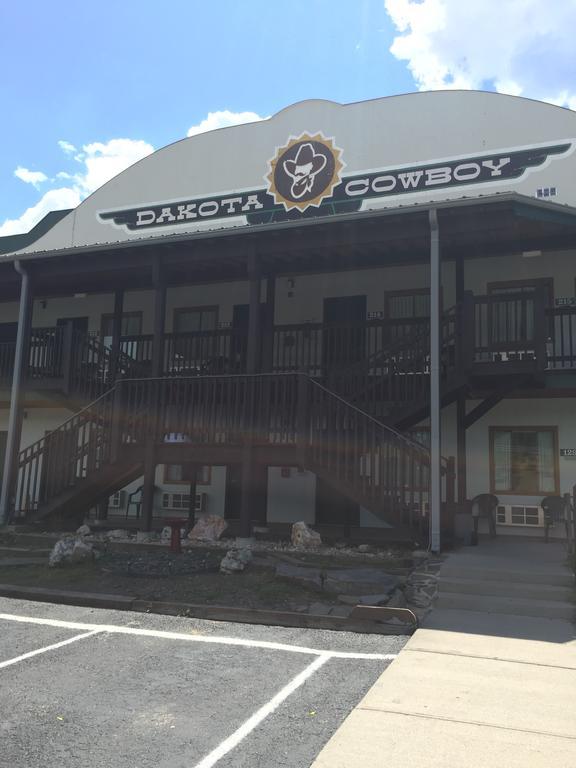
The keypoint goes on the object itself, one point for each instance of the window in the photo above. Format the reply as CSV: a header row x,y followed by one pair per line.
x,y
131,326
516,515
178,473
523,460
401,305
195,320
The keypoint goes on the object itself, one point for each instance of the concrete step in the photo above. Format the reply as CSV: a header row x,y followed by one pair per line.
x,y
514,606
524,590
538,576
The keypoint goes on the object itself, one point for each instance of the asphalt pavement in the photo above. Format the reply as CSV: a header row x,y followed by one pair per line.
x,y
97,688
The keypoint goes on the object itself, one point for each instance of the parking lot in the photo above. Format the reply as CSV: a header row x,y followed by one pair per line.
x,y
98,688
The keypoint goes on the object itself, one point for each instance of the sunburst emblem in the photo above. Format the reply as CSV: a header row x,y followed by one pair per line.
x,y
304,171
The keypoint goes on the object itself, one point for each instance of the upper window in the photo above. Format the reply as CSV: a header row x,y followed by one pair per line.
x,y
404,305
524,460
195,320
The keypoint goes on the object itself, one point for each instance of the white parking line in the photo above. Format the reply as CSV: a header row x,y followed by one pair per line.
x,y
47,648
214,639
246,728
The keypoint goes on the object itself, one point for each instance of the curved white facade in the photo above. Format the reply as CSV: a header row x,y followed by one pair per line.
x,y
399,150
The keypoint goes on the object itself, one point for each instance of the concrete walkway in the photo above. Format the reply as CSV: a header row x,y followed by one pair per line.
x,y
490,681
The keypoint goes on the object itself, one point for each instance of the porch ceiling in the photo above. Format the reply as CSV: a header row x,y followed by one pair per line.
x,y
471,227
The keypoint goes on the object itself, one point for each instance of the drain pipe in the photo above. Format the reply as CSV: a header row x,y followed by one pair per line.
x,y
435,436
17,396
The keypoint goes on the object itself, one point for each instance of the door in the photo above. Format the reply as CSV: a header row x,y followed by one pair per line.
x,y
512,312
79,324
240,324
344,336
8,332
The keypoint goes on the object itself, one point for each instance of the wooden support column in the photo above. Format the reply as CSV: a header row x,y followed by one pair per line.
x,y
116,332
157,372
17,395
248,490
268,330
461,447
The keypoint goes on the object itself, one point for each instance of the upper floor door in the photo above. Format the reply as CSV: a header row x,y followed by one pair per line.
x,y
344,337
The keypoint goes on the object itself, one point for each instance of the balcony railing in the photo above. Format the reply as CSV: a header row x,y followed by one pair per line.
x,y
498,332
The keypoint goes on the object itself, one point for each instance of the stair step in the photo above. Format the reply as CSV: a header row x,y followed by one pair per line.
x,y
507,605
553,578
529,591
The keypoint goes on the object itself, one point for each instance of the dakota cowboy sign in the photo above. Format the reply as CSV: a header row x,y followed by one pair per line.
x,y
305,178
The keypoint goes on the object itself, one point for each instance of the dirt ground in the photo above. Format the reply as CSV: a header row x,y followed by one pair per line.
x,y
257,587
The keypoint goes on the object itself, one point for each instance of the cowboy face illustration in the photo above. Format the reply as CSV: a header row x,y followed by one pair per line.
x,y
304,169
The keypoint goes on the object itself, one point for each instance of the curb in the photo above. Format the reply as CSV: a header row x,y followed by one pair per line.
x,y
376,621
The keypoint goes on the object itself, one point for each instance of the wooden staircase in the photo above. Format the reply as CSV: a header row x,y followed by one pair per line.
x,y
284,418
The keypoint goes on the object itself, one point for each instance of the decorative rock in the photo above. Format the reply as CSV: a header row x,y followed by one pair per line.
x,y
304,537
397,600
420,556
208,528
118,533
84,530
366,549
235,561
144,536
70,550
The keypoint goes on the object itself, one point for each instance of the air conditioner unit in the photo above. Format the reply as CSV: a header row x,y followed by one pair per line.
x,y
518,514
181,501
117,500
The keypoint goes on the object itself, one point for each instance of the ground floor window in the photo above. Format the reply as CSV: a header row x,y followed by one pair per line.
x,y
524,460
179,473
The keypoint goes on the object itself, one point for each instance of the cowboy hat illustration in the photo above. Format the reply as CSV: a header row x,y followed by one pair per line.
x,y
303,169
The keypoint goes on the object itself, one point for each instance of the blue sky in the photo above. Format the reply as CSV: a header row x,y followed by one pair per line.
x,y
113,80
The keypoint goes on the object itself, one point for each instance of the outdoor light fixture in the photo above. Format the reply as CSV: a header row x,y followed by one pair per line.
x,y
531,254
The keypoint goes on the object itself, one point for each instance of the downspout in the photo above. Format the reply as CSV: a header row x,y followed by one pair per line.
x,y
16,399
435,407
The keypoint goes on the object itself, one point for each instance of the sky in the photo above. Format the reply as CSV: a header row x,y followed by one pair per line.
x,y
88,89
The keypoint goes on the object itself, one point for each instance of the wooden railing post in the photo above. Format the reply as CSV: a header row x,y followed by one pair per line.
x,y
68,357
466,333
303,417
540,327
116,422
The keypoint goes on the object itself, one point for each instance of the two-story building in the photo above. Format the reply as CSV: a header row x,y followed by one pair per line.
x,y
244,322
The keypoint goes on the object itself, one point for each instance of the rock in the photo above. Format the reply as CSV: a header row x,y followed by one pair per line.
x,y
118,533
235,561
304,537
419,556
208,528
84,530
307,577
70,550
366,549
397,600
144,536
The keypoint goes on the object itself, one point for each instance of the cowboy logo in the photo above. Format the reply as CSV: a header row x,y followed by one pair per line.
x,y
304,172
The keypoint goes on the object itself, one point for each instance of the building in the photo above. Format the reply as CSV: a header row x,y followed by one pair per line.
x,y
245,322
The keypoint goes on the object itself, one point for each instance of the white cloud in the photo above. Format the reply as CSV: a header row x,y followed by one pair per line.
x,y
223,119
104,161
54,200
65,146
30,177
522,47
99,162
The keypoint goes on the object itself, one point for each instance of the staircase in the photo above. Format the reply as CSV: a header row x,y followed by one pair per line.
x,y
393,384
285,418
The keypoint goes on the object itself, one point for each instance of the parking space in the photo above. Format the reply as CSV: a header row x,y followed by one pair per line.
x,y
106,688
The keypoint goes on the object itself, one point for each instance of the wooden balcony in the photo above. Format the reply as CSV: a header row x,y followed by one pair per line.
x,y
486,335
